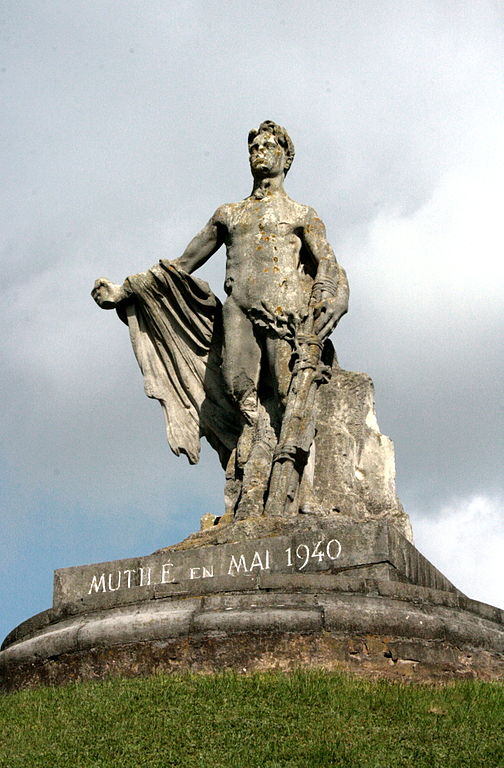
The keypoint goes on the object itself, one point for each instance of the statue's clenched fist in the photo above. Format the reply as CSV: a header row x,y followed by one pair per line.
x,y
107,294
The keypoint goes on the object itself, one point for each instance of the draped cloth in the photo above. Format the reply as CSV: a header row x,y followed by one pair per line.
x,y
175,325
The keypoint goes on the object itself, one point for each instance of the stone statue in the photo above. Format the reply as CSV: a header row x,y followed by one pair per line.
x,y
313,555
247,375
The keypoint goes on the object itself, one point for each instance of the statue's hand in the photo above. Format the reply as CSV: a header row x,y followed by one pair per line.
x,y
326,314
106,294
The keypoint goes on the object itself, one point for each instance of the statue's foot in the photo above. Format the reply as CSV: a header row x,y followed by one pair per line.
x,y
251,504
311,508
308,502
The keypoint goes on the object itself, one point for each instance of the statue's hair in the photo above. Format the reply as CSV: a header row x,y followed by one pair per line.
x,y
285,141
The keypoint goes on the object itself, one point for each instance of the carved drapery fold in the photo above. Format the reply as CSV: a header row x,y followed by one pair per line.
x,y
175,325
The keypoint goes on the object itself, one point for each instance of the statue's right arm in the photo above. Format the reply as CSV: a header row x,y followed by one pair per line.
x,y
108,295
203,245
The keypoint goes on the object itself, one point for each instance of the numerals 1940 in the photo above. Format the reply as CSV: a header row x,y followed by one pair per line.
x,y
302,555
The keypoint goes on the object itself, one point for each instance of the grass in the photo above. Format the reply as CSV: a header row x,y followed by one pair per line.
x,y
260,721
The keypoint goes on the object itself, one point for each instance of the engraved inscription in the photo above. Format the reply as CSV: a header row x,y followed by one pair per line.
x,y
261,562
299,557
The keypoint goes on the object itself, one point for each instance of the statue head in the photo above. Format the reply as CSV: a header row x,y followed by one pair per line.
x,y
265,143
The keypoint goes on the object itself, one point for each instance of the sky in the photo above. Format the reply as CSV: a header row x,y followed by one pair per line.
x,y
124,126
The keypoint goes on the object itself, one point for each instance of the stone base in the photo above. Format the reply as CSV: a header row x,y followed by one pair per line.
x,y
370,603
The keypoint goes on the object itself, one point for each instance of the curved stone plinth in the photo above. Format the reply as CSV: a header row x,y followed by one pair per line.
x,y
264,621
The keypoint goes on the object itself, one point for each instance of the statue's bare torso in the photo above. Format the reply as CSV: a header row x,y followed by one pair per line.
x,y
274,247
264,271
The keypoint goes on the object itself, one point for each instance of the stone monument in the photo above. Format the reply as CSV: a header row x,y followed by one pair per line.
x,y
310,561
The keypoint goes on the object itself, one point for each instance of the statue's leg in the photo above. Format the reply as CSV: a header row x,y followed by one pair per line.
x,y
257,469
241,360
242,354
279,358
279,353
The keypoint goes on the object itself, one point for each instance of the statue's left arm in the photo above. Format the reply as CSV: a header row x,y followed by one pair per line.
x,y
330,287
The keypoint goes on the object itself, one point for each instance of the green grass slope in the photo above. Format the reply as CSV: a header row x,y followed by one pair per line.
x,y
261,721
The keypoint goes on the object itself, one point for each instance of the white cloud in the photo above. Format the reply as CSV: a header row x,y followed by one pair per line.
x,y
465,540
452,247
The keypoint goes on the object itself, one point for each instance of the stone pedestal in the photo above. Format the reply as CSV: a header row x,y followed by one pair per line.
x,y
326,592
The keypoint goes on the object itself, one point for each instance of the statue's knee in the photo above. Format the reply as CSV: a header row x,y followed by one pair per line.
x,y
243,391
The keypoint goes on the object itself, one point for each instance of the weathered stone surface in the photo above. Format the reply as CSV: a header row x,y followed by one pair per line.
x,y
356,473
360,591
261,629
370,655
369,549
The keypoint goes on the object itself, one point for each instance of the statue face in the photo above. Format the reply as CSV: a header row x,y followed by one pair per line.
x,y
267,157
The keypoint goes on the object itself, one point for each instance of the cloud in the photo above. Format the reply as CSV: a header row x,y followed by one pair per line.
x,y
465,540
426,290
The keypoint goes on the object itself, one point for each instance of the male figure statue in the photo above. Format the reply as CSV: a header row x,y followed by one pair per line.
x,y
283,284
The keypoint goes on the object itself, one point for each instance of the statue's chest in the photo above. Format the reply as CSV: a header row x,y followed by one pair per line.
x,y
263,220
